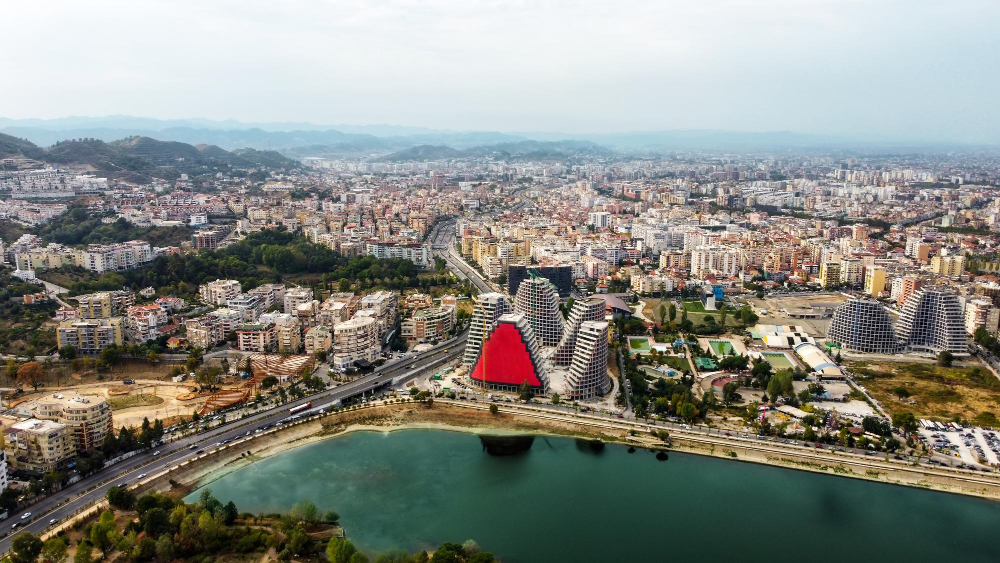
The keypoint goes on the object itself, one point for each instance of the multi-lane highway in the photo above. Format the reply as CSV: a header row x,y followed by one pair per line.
x,y
89,490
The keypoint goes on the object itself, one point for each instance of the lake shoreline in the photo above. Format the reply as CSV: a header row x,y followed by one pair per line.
x,y
455,418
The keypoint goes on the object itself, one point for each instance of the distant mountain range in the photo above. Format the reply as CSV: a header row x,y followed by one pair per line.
x,y
529,150
141,158
395,143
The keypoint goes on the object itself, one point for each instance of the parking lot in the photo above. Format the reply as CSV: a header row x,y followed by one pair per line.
x,y
968,445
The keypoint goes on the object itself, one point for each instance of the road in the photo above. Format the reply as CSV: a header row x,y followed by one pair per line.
x,y
93,488
443,246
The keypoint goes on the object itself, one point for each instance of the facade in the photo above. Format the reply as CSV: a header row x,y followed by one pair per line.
x,y
383,307
862,325
584,310
932,321
488,309
588,372
355,339
144,322
510,357
39,446
538,300
415,252
88,417
269,293
288,337
90,336
218,292
909,286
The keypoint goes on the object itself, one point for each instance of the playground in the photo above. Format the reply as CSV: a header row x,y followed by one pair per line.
x,y
722,347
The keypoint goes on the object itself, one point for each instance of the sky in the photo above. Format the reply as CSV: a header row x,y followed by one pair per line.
x,y
908,69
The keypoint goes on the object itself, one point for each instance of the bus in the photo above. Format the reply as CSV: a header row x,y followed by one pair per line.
x,y
300,408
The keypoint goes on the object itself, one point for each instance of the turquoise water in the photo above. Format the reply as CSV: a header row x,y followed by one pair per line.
x,y
414,489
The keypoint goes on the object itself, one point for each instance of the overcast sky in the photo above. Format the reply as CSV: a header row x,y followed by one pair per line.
x,y
919,69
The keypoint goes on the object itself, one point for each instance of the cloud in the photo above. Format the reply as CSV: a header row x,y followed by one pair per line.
x,y
891,68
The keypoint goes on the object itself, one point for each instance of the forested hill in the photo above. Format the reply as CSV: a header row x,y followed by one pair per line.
x,y
142,158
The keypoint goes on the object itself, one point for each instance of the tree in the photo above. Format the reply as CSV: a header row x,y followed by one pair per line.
x,y
100,533
555,398
905,421
121,498
165,549
945,359
900,392
672,312
494,409
67,352
339,550
688,411
85,552
32,374
730,392
25,548
305,510
268,382
331,517
55,550
524,392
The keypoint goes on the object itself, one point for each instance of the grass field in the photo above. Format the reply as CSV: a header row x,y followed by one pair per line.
x,y
930,391
721,347
639,345
778,360
140,400
693,306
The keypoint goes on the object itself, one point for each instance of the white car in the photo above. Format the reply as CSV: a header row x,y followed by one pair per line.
x,y
157,452
53,521
25,515
141,476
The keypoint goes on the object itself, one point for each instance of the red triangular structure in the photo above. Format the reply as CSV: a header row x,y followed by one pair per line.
x,y
507,360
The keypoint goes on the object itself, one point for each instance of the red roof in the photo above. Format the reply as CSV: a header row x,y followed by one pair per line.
x,y
506,358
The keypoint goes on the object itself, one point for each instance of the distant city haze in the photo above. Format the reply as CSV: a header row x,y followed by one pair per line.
x,y
892,70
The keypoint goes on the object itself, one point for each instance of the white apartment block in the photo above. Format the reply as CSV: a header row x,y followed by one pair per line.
x,y
588,372
218,292
489,307
355,339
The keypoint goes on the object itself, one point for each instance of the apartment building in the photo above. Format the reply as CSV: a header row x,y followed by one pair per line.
x,y
102,258
588,372
145,322
90,336
355,339
429,324
94,306
218,292
318,339
932,321
296,296
89,417
39,446
205,332
255,337
538,300
863,325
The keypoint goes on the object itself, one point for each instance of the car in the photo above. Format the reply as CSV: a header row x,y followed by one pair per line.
x,y
25,515
53,521
156,453
193,447
141,476
15,525
199,452
621,415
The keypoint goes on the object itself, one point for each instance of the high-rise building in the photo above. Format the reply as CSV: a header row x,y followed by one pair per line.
x,y
932,321
561,276
599,219
489,307
852,271
590,309
294,297
538,300
951,266
219,291
829,274
874,281
39,446
355,340
981,313
863,325
588,373
910,285
509,357
94,306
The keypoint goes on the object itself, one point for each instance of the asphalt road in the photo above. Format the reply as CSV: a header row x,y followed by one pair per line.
x,y
57,508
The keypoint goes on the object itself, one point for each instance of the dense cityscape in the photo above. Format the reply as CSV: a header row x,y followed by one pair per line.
x,y
442,282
